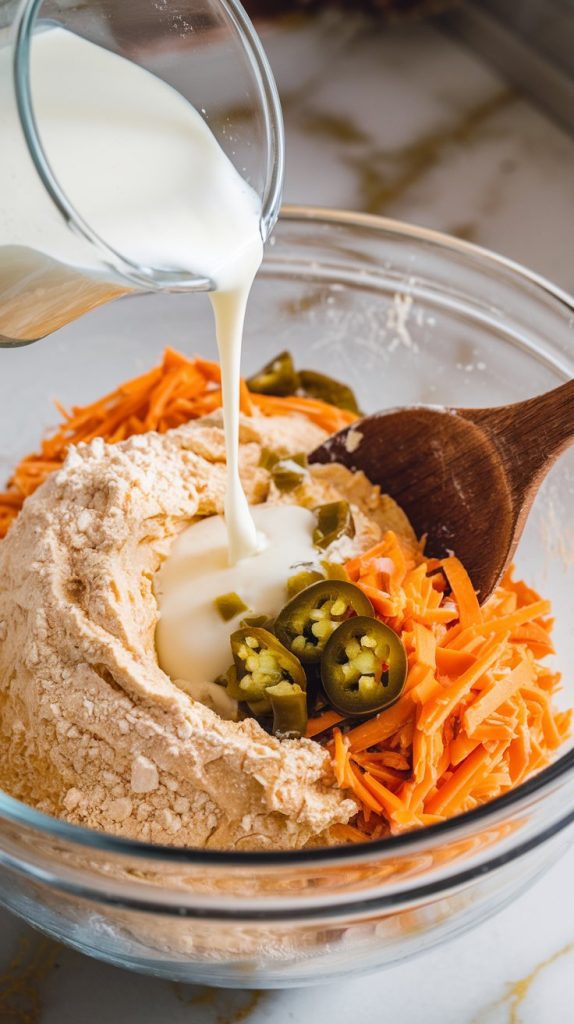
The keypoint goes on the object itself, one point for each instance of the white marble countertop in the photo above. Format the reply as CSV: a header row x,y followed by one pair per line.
x,y
407,124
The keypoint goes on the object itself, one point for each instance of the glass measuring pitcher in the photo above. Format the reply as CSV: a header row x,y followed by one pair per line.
x,y
54,266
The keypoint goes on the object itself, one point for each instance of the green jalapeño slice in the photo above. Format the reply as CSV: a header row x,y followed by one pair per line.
x,y
306,622
289,706
278,377
318,385
364,667
334,521
261,661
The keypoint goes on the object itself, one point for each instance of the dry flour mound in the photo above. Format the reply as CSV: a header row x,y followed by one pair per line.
x,y
91,729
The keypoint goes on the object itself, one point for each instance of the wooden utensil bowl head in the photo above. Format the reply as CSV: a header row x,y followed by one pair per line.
x,y
426,459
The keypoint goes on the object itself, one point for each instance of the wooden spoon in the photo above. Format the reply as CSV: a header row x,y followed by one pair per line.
x,y
465,477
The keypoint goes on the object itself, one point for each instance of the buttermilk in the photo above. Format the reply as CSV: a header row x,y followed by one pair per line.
x,y
145,172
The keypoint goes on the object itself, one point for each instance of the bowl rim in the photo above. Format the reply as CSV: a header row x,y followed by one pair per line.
x,y
427,838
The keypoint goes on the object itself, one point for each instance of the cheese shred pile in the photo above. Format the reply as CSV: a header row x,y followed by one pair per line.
x,y
476,716
168,396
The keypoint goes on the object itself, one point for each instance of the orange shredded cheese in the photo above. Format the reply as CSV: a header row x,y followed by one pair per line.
x,y
476,716
170,395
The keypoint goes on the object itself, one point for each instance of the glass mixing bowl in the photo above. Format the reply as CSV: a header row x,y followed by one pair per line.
x,y
405,315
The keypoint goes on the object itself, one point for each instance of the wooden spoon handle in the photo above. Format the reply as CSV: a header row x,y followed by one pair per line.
x,y
547,421
530,435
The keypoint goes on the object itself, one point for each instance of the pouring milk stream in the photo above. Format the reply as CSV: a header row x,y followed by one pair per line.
x,y
144,170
